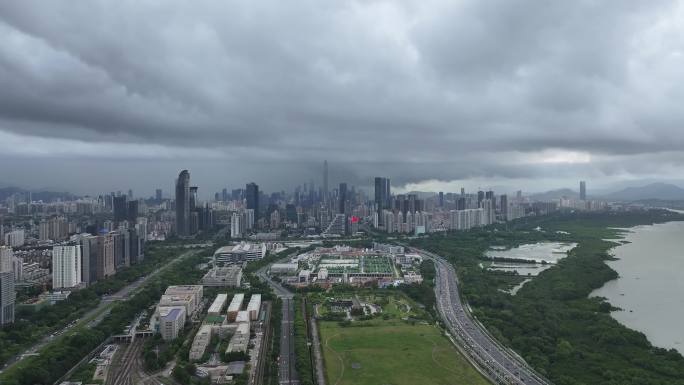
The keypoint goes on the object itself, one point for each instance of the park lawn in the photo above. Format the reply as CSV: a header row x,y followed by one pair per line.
x,y
393,353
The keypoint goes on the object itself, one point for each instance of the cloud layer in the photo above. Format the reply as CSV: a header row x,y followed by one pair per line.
x,y
265,90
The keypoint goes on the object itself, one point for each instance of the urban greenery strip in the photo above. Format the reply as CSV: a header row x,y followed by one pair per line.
x,y
61,355
551,321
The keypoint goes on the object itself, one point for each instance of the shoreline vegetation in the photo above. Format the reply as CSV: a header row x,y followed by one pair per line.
x,y
551,321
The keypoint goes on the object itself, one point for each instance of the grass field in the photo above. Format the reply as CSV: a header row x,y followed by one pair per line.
x,y
393,353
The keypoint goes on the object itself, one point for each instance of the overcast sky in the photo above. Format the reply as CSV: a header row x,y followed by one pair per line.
x,y
109,95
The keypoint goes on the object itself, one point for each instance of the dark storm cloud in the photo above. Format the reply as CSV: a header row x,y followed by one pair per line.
x,y
415,90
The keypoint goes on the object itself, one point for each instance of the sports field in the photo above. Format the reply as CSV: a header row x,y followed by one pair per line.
x,y
393,353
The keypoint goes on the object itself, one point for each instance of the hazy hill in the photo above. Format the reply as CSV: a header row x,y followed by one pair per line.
x,y
661,191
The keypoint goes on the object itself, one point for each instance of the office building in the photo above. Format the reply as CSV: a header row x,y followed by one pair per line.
x,y
239,253
183,203
132,213
170,321
252,197
382,198
7,298
342,199
66,266
120,208
583,190
228,276
158,195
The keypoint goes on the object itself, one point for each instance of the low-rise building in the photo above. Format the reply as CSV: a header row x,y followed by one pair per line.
x,y
218,304
254,306
171,320
284,268
242,252
200,343
240,340
235,306
230,276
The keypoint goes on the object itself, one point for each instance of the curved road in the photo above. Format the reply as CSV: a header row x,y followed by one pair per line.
x,y
500,364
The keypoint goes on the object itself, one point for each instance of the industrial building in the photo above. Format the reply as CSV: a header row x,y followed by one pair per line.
x,y
230,276
200,343
242,252
218,304
235,306
254,306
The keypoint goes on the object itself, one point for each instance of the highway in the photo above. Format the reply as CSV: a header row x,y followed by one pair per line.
x,y
287,373
94,316
500,364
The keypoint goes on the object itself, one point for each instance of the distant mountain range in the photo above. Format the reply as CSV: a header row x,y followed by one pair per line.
x,y
660,191
653,191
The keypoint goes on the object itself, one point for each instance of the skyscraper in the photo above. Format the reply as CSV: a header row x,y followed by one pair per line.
x,y
382,197
158,195
132,214
183,203
325,181
252,196
583,190
342,198
120,208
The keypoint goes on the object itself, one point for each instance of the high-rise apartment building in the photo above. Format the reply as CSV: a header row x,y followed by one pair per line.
x,y
183,203
92,254
14,238
66,266
7,298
